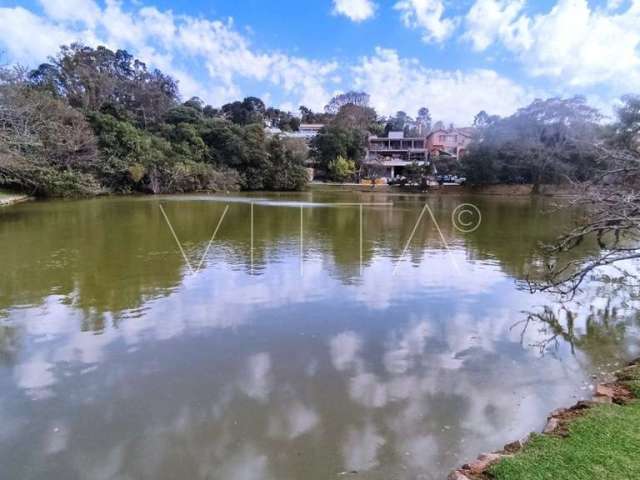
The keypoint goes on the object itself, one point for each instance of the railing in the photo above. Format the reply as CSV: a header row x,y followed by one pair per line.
x,y
374,148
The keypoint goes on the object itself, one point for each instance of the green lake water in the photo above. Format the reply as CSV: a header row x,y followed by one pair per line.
x,y
312,338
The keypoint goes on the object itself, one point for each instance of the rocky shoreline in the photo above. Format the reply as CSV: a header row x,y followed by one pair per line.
x,y
557,424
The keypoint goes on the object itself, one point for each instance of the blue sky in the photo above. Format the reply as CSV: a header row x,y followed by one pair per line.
x,y
455,57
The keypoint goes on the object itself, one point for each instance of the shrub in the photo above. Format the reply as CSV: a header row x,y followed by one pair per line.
x,y
341,169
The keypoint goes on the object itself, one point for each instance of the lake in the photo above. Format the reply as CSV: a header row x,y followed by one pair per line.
x,y
316,335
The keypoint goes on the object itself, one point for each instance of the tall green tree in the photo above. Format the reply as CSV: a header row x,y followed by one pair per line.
x,y
334,141
423,121
99,79
398,123
287,170
249,110
359,99
256,164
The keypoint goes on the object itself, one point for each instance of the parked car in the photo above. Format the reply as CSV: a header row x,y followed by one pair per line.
x,y
451,180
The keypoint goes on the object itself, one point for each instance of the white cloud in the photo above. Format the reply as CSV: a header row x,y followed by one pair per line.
x,y
173,43
572,42
211,58
396,83
26,36
426,15
489,20
71,10
356,10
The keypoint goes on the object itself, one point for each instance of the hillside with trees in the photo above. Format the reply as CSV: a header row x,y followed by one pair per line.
x,y
94,121
550,141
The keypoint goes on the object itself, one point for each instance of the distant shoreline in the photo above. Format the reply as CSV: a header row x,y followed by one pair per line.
x,y
498,190
521,191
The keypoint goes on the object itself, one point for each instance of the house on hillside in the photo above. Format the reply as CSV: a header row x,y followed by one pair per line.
x,y
306,131
390,155
452,143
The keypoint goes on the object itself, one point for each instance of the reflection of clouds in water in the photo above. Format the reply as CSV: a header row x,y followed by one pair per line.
x,y
224,297
257,381
11,424
420,452
105,466
436,364
294,420
81,347
368,391
360,448
405,348
312,368
246,464
35,375
401,387
470,384
56,438
44,327
344,350
380,289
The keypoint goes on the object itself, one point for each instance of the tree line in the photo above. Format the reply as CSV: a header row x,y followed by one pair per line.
x,y
550,141
94,121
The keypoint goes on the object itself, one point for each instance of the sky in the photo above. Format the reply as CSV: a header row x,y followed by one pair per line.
x,y
454,57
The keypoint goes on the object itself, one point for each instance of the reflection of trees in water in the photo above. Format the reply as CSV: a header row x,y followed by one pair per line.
x,y
599,332
111,255
9,344
513,230
96,254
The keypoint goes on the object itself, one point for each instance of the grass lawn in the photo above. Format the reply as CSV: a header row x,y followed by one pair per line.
x,y
603,444
631,377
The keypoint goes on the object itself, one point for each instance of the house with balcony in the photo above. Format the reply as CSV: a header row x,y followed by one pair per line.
x,y
389,156
451,143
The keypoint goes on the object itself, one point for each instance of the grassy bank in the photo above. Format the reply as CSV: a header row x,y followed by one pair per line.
x,y
590,440
603,442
